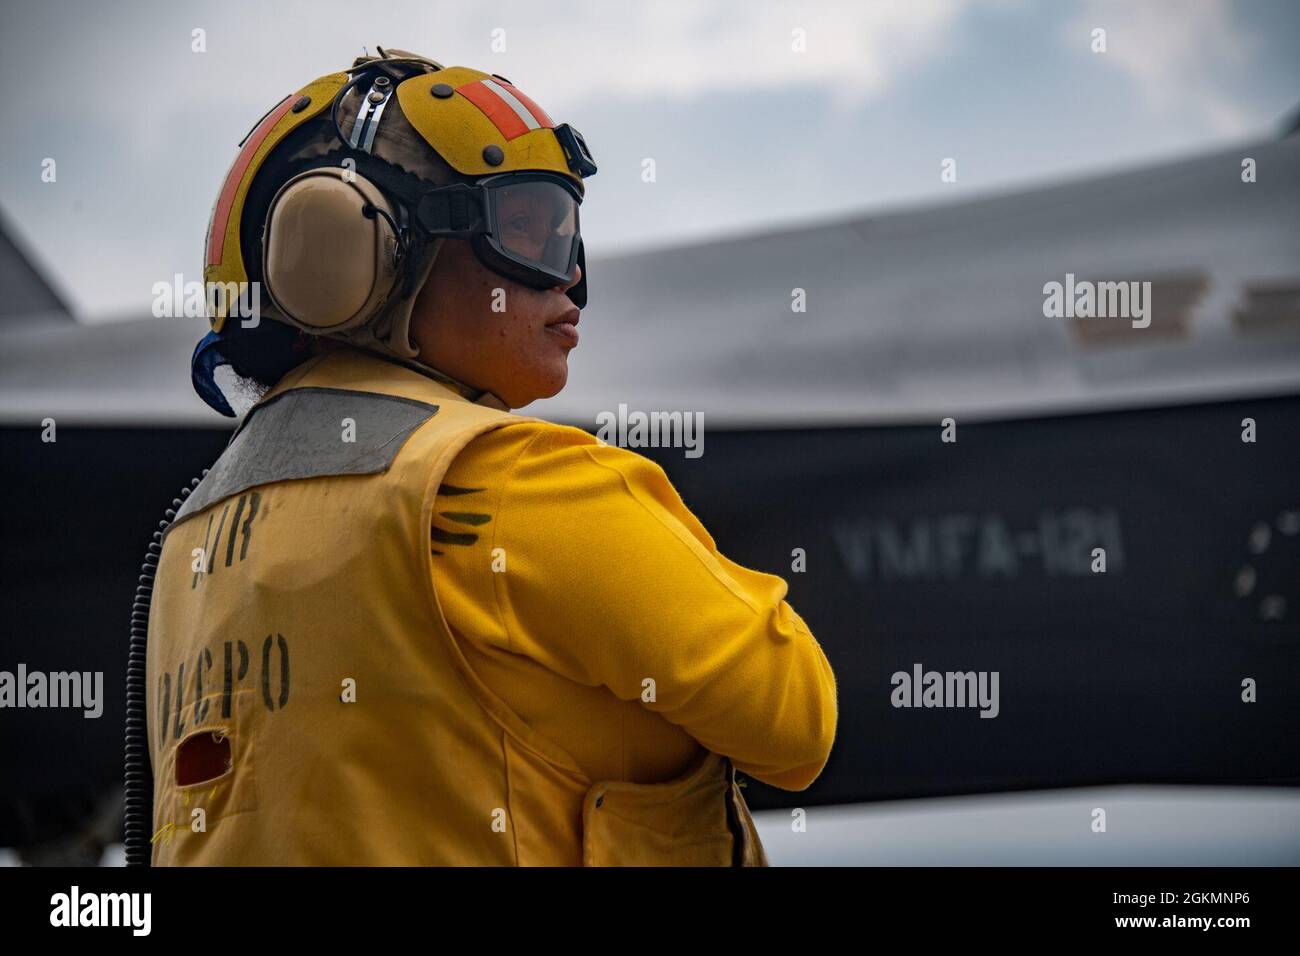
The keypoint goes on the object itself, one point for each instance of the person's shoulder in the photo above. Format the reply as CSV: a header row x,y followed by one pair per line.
x,y
535,450
521,434
493,455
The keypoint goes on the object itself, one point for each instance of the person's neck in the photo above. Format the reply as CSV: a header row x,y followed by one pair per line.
x,y
468,392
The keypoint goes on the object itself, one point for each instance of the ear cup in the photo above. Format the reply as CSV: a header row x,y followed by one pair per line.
x,y
327,265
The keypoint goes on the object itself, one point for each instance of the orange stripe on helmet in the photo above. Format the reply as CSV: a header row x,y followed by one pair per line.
x,y
494,108
539,114
221,215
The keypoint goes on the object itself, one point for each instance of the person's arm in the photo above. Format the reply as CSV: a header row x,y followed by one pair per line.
x,y
611,581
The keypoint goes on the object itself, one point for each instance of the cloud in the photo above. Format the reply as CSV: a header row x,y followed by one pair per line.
x,y
853,49
1182,57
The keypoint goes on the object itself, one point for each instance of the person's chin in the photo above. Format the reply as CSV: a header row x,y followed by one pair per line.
x,y
557,374
542,381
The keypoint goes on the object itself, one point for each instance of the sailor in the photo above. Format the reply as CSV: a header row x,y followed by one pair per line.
x,y
397,622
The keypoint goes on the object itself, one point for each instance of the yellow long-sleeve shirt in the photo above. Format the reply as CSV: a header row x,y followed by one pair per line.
x,y
589,598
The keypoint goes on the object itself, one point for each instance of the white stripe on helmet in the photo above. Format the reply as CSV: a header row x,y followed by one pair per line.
x,y
513,102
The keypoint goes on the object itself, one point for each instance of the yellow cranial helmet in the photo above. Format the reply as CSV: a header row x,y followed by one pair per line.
x,y
340,194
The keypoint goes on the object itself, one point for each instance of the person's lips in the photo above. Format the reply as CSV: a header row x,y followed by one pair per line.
x,y
565,326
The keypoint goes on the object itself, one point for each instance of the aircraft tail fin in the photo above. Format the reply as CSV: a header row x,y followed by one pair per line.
x,y
27,290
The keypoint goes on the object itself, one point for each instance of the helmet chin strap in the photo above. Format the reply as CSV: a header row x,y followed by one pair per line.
x,y
390,334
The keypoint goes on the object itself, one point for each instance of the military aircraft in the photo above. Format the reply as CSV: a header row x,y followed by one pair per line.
x,y
1101,510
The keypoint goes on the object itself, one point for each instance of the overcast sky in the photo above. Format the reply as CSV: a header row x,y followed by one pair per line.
x,y
746,132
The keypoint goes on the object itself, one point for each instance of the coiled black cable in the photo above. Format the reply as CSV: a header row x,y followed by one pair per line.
x,y
137,803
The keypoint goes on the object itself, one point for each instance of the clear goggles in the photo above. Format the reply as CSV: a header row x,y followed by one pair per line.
x,y
523,226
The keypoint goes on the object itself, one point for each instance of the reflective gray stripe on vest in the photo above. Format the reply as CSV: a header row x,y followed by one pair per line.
x,y
299,434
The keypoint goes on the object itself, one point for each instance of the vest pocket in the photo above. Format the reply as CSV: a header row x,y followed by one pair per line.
x,y
205,776
749,848
684,822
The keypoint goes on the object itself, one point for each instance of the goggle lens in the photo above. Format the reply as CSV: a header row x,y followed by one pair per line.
x,y
537,222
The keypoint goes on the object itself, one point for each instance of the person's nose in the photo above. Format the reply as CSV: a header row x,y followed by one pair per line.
x,y
577,277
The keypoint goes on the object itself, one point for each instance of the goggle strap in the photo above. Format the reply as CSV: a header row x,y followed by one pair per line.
x,y
457,211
